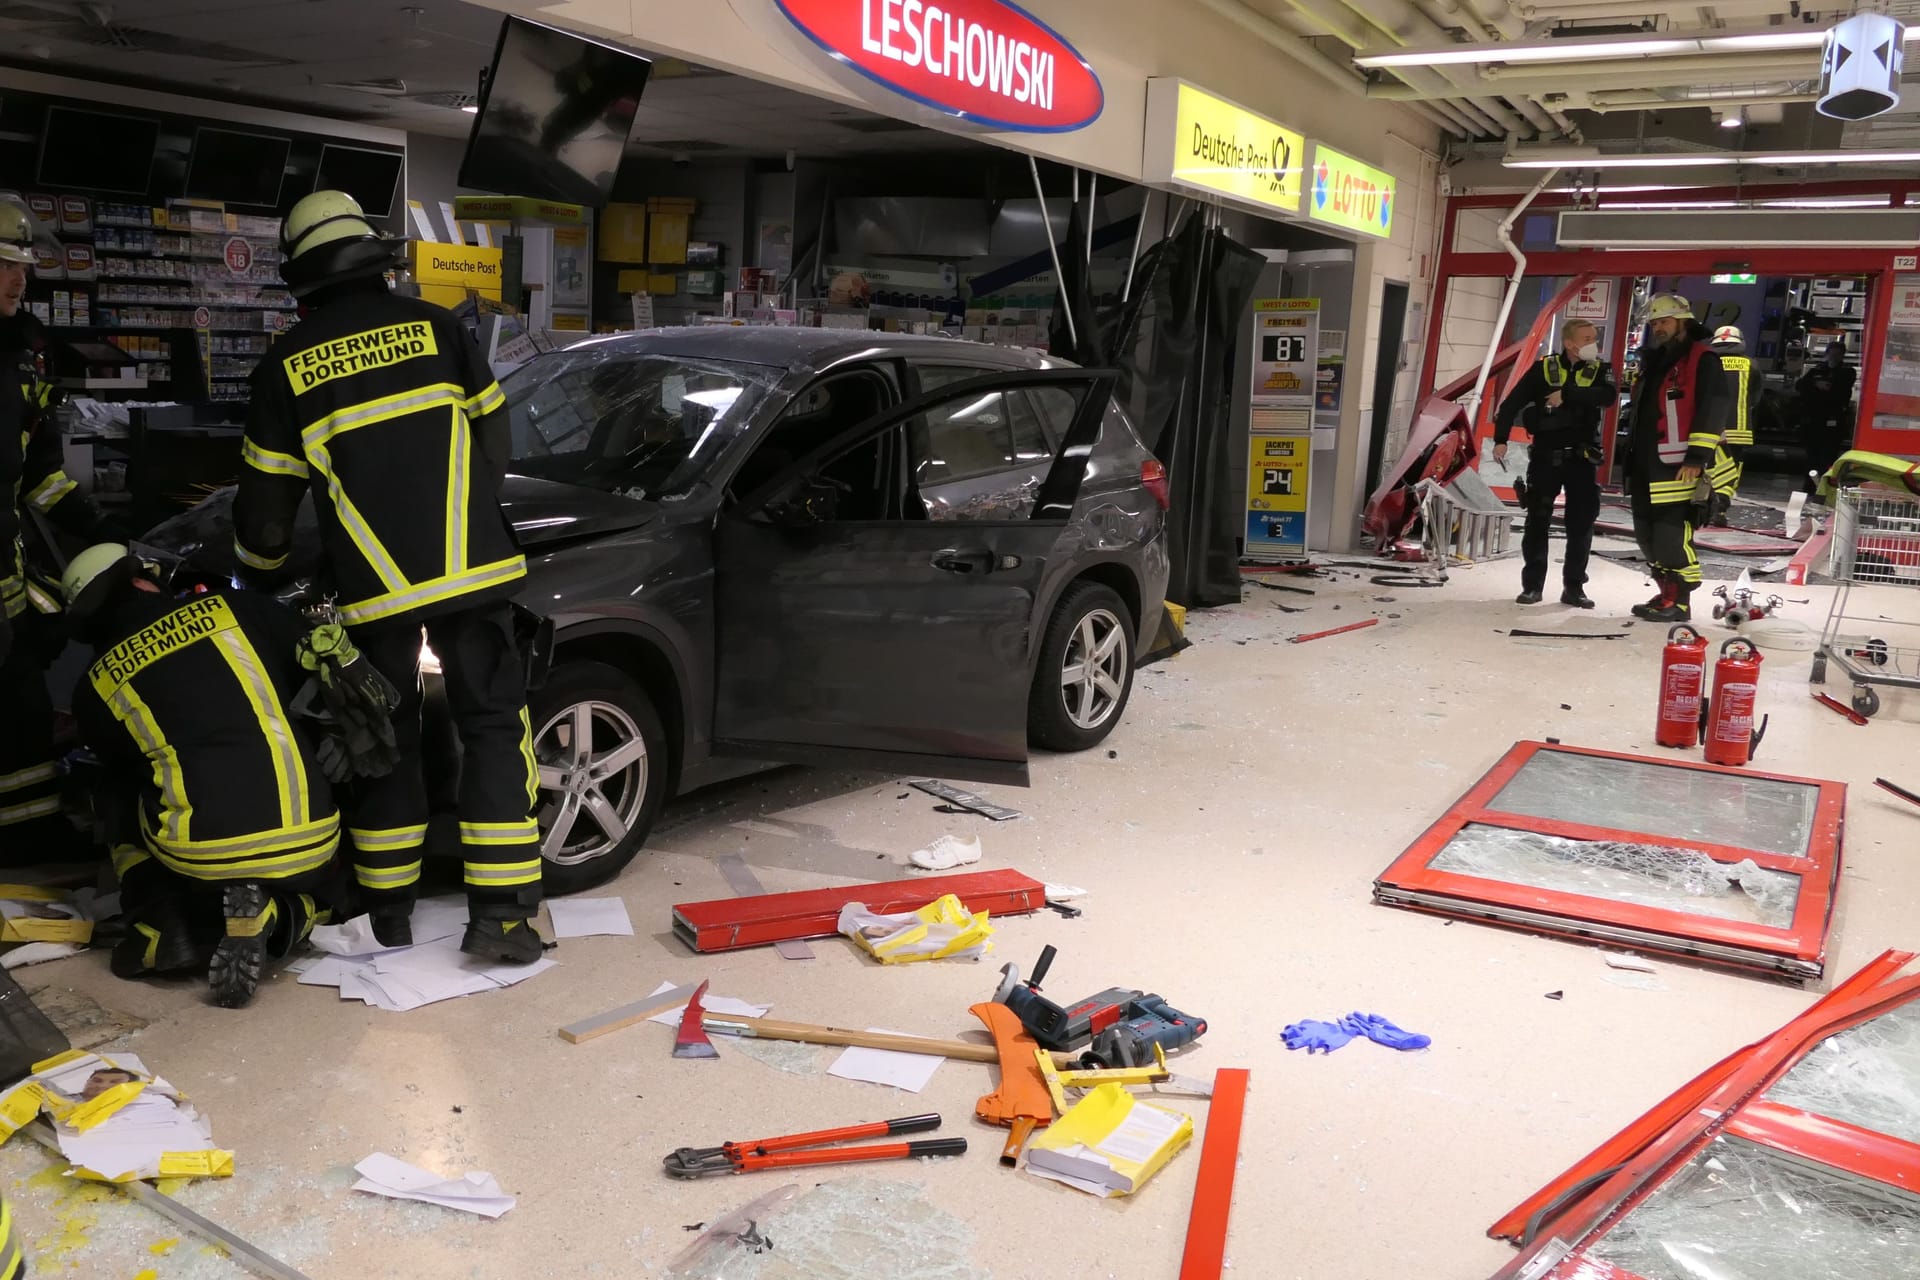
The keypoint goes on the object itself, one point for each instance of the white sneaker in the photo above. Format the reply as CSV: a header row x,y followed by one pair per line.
x,y
945,854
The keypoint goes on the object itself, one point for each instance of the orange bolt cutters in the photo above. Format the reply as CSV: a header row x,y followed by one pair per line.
x,y
786,1152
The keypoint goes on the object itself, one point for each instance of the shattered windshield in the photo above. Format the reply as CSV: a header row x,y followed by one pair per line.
x,y
641,425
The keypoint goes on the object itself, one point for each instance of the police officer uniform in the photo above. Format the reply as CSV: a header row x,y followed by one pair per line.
x,y
187,704
385,409
1564,455
30,476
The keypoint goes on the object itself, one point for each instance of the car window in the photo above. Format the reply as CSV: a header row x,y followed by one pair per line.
x,y
836,403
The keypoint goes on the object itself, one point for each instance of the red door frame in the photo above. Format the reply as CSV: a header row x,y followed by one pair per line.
x,y
1623,264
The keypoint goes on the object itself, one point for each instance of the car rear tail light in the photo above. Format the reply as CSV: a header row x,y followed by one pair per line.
x,y
1154,477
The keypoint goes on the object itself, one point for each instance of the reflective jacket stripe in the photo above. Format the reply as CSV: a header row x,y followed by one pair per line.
x,y
253,561
28,810
427,593
289,773
248,866
21,779
176,811
499,832
459,467
274,464
1741,432
372,411
355,525
276,841
502,875
49,491
387,877
391,838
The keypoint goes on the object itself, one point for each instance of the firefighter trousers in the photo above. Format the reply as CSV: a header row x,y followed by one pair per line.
x,y
13,1254
499,788
1664,531
1548,472
31,826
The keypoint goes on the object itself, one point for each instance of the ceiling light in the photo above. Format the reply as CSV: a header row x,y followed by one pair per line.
x,y
1584,48
471,108
1731,119
1588,158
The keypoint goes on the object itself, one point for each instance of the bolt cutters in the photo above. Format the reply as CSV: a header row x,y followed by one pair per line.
x,y
787,1152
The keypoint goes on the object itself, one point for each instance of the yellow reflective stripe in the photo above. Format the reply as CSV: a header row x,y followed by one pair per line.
x,y
357,528
126,857
253,926
28,810
253,561
499,832
49,491
459,460
176,811
279,867
20,779
426,593
151,954
389,838
276,841
533,766
289,771
271,462
368,412
387,877
40,599
489,399
502,875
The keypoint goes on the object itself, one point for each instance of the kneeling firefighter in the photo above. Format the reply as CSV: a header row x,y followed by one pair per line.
x,y
384,407
1681,407
224,832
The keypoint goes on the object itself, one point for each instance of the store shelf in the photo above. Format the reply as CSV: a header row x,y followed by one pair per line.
x,y
102,384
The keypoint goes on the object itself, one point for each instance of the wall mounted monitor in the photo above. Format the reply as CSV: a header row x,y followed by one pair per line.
x,y
555,116
98,151
369,176
237,167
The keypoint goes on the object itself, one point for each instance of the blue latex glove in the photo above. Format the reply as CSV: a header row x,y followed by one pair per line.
x,y
1381,1032
1313,1034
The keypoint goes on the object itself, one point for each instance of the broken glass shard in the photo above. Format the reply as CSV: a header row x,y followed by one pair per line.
x,y
1686,804
1868,1075
1741,1212
1615,871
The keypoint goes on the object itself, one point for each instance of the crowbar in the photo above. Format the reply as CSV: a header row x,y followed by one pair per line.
x,y
1902,792
1320,635
1834,704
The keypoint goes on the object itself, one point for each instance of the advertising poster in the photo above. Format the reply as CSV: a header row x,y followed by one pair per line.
x,y
1278,469
1898,405
1286,339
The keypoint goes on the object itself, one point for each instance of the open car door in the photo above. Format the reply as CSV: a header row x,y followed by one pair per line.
x,y
855,628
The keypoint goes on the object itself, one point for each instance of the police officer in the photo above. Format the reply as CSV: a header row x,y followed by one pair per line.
x,y
186,703
383,406
1731,346
30,476
1826,403
1561,401
1681,407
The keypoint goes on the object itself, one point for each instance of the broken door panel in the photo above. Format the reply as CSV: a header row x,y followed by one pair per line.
x,y
1687,859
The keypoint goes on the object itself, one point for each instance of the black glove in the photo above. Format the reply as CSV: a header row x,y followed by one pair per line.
x,y
359,701
335,761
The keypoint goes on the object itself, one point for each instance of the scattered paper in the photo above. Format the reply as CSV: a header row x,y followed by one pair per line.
x,y
114,1119
711,1003
433,919
909,1071
405,978
589,918
37,953
480,1193
1615,960
1064,892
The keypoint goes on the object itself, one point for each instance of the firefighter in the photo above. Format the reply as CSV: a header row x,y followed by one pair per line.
x,y
186,703
1731,346
1826,409
384,407
1681,407
13,1256
1561,401
30,476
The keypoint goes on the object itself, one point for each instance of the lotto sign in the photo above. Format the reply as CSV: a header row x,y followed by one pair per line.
x,y
1593,302
984,62
239,257
1278,468
1347,193
1286,356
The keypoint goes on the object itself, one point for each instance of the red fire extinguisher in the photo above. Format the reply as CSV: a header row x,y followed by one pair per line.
x,y
1731,735
1683,668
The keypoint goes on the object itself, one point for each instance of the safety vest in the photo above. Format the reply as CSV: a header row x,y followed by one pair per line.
x,y
1678,387
1741,367
197,692
1555,373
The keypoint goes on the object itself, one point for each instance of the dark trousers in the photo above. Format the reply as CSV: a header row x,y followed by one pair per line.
x,y
1665,534
1548,472
31,826
486,693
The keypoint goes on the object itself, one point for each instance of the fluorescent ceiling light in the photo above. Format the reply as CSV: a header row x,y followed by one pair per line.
x,y
1586,158
1582,49
1671,204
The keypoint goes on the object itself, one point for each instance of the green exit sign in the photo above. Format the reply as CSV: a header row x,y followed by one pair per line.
x,y
1735,277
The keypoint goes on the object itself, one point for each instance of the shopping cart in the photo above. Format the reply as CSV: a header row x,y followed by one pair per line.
x,y
1876,550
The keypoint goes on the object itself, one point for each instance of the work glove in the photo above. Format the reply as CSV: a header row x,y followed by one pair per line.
x,y
335,760
357,699
1314,1035
1381,1032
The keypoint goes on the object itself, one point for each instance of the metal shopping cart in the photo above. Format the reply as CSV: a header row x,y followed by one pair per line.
x,y
1876,552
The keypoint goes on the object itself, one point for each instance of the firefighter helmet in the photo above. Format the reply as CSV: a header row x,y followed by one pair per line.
x,y
327,239
1729,335
1668,306
16,233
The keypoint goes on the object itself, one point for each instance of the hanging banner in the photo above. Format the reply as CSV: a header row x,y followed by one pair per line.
x,y
1278,469
1350,194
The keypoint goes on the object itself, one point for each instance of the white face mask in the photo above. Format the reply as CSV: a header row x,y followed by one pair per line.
x,y
1589,353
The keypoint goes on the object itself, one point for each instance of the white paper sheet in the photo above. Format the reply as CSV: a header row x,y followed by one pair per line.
x,y
383,1175
589,918
711,1003
38,953
406,978
433,919
909,1071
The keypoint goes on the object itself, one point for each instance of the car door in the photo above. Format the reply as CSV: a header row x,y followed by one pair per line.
x,y
862,624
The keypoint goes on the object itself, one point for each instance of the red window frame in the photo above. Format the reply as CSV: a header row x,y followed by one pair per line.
x,y
1798,951
1575,1210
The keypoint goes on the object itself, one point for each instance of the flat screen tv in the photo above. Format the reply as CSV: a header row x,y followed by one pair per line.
x,y
237,167
371,177
555,115
98,151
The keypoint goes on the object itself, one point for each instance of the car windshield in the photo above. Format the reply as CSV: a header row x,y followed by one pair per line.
x,y
642,425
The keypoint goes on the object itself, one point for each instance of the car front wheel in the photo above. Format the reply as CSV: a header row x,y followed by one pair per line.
x,y
1085,672
602,759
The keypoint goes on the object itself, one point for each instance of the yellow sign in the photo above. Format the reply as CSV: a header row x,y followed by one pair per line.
x,y
206,616
1347,193
445,272
360,353
1198,141
518,209
1277,475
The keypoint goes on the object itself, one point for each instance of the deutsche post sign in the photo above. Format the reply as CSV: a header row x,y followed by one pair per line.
x,y
1217,148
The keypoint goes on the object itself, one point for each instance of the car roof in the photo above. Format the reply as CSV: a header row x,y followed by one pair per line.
x,y
794,348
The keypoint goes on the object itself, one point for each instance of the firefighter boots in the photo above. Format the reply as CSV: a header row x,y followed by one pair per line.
x,y
509,940
241,956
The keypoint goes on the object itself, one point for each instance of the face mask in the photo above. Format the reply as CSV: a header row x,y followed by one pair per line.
x,y
1589,353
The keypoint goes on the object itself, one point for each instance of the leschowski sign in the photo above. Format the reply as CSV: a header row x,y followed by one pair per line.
x,y
986,62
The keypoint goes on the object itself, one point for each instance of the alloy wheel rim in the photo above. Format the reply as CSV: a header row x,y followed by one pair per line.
x,y
1093,670
592,763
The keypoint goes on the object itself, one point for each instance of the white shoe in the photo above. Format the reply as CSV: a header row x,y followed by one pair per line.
x,y
945,854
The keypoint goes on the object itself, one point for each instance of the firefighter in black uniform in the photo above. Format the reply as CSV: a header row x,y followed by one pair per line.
x,y
1561,402
231,830
30,476
385,408
1682,405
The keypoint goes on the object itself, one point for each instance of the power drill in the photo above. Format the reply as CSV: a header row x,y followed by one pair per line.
x,y
1118,1027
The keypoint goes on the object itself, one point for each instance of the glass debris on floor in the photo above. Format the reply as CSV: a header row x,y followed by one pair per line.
x,y
850,1229
1742,1212
1867,1076
782,1055
1649,875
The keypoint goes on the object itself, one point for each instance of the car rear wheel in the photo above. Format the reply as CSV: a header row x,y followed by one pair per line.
x,y
602,759
1085,673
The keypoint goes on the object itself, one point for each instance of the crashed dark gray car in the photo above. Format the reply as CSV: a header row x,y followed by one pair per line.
x,y
837,548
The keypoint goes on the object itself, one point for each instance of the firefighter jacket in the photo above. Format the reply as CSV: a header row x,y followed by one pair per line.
x,y
385,408
1586,392
30,461
1740,381
188,700
1681,406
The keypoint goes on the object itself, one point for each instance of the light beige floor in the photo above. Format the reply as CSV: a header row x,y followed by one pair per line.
x,y
1229,841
